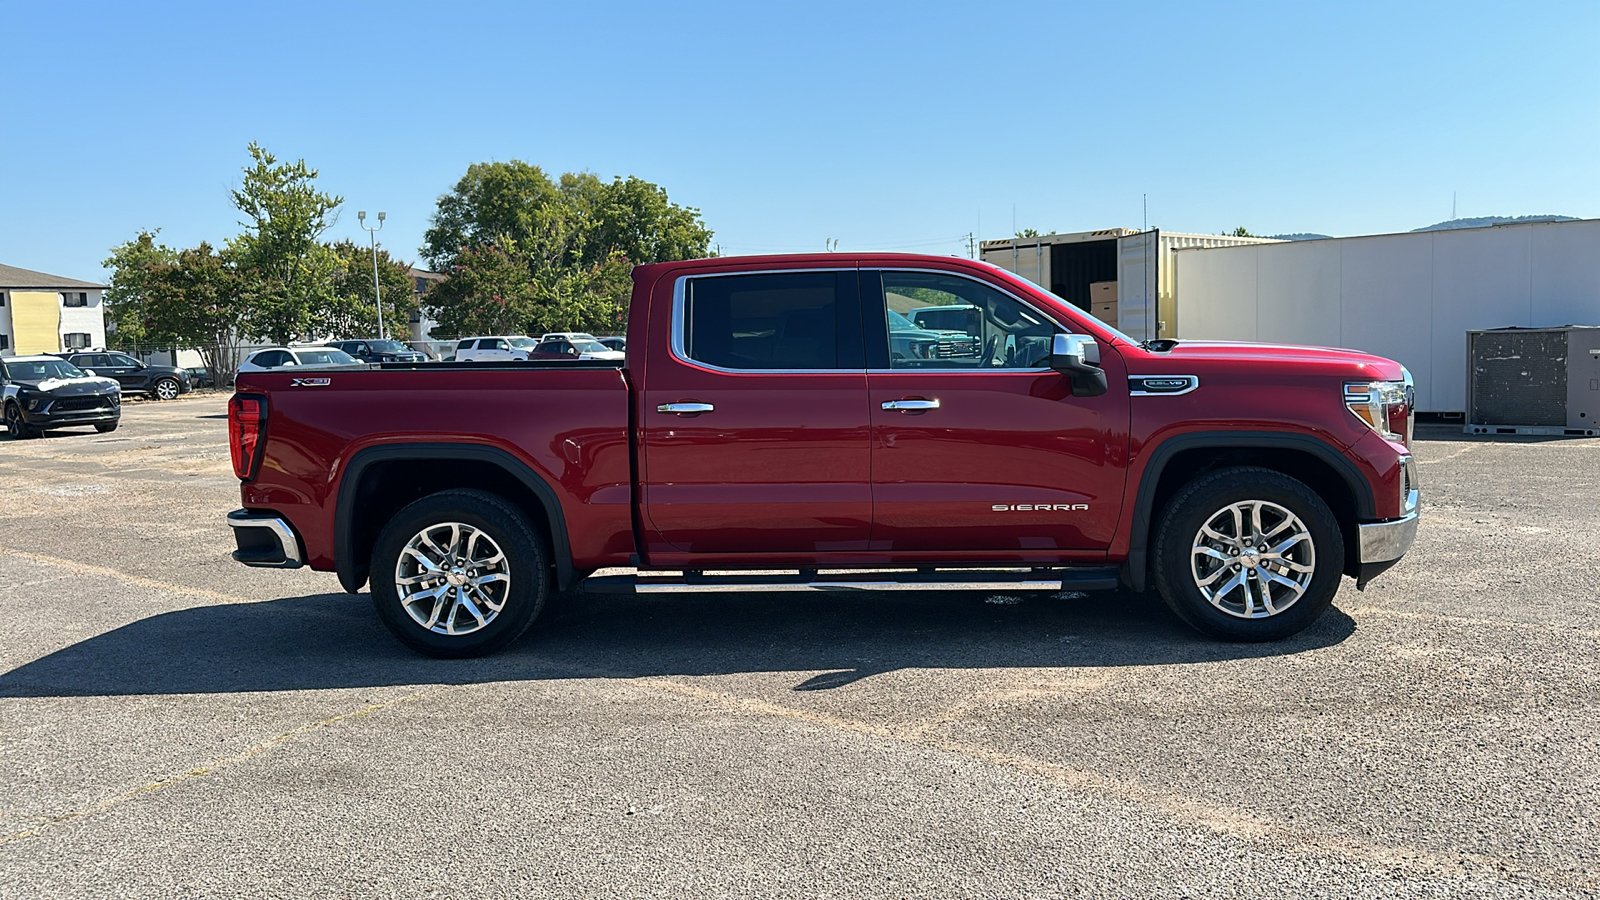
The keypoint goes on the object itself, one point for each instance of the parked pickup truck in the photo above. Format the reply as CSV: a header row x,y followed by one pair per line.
x,y
760,423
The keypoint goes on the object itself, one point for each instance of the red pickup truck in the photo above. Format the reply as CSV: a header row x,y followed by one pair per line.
x,y
785,414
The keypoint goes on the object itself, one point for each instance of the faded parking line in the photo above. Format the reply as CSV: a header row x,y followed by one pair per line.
x,y
83,568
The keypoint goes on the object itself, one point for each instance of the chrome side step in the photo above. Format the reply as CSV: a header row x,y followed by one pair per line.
x,y
1103,578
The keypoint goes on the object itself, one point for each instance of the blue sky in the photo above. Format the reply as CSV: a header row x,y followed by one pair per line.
x,y
887,126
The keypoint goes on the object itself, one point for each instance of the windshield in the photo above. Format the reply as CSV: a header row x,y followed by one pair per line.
x,y
387,346
523,343
590,347
42,369
328,357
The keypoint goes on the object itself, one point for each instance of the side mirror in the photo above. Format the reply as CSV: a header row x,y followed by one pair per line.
x,y
1078,355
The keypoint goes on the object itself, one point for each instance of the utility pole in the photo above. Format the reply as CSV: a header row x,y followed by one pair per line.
x,y
972,241
377,290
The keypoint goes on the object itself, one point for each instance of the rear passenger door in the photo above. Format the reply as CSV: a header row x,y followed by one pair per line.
x,y
754,417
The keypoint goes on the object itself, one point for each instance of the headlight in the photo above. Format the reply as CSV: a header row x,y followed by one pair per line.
x,y
1387,407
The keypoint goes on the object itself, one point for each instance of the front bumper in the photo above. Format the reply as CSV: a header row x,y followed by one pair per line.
x,y
1385,542
49,418
265,540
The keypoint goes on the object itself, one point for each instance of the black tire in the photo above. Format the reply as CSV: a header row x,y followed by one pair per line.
x,y
527,563
16,426
105,427
1213,493
165,389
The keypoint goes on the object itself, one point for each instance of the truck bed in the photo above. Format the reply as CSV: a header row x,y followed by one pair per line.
x,y
362,439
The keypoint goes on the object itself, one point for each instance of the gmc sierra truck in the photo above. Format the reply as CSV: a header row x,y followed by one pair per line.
x,y
767,420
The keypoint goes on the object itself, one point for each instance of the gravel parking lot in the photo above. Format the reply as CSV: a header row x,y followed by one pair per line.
x,y
174,723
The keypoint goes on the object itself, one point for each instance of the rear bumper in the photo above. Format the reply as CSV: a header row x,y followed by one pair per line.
x,y
265,540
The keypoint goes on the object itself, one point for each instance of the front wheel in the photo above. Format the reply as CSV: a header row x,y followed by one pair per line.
x,y
459,573
105,427
15,424
166,389
1248,554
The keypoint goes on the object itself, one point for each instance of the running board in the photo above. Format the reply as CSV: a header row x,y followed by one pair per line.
x,y
1075,579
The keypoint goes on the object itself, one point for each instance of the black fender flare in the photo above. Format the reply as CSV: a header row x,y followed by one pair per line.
x,y
353,573
1137,568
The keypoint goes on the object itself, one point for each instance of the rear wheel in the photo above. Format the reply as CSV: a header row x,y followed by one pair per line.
x,y
459,573
16,426
166,389
1248,554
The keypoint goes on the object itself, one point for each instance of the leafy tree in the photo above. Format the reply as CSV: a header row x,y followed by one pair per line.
x,y
289,272
1028,233
1241,231
353,312
534,254
133,266
190,298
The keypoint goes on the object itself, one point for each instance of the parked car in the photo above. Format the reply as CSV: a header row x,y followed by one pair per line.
x,y
908,342
163,382
200,377
1242,482
44,392
561,348
376,351
614,343
499,348
567,336
309,357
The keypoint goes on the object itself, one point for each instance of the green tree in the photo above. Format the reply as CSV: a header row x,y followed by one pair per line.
x,y
1028,233
133,266
534,254
190,298
289,273
1241,231
353,312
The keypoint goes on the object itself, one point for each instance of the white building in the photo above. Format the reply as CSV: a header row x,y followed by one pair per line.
x,y
1411,297
42,313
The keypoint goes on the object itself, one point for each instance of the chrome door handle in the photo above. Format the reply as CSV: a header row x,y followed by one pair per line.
x,y
910,404
685,409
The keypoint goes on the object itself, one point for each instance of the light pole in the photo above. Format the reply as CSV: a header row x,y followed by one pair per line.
x,y
377,291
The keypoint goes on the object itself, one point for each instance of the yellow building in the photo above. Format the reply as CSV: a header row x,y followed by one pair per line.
x,y
42,313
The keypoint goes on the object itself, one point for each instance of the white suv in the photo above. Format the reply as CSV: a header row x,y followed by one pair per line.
x,y
500,348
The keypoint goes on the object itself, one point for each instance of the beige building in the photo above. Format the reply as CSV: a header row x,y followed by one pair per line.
x,y
42,313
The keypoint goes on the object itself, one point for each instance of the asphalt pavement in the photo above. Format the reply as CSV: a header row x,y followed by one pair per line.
x,y
174,724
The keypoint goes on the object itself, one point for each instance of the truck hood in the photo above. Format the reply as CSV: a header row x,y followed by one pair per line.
x,y
1244,352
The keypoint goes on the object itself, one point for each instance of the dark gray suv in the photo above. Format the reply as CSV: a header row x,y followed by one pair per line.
x,y
163,382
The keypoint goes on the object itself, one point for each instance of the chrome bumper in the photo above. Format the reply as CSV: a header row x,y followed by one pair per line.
x,y
264,540
1383,542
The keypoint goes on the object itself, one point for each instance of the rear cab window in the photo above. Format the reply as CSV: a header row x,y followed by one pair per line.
x,y
771,321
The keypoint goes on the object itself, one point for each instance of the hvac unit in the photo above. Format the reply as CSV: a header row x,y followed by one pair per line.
x,y
1534,381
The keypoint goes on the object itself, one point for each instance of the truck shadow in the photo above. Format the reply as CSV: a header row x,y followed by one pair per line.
x,y
334,641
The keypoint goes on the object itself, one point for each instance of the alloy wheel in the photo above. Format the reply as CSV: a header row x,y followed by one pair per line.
x,y
1253,559
452,578
167,389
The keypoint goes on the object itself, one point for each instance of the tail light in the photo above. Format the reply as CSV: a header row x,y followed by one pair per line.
x,y
247,422
1387,407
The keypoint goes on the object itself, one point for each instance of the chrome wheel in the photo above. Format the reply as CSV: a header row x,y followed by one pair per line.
x,y
452,578
167,389
1253,559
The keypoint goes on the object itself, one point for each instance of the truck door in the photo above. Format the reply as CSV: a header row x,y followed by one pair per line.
x,y
978,445
754,416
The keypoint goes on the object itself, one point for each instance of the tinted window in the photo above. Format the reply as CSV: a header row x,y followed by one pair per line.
x,y
465,345
959,323
328,357
118,359
776,321
270,358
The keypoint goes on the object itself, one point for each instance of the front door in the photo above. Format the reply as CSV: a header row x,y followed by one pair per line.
x,y
754,417
128,372
977,444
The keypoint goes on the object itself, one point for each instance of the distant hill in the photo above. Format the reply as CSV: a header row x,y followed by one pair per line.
x,y
1300,236
1483,221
